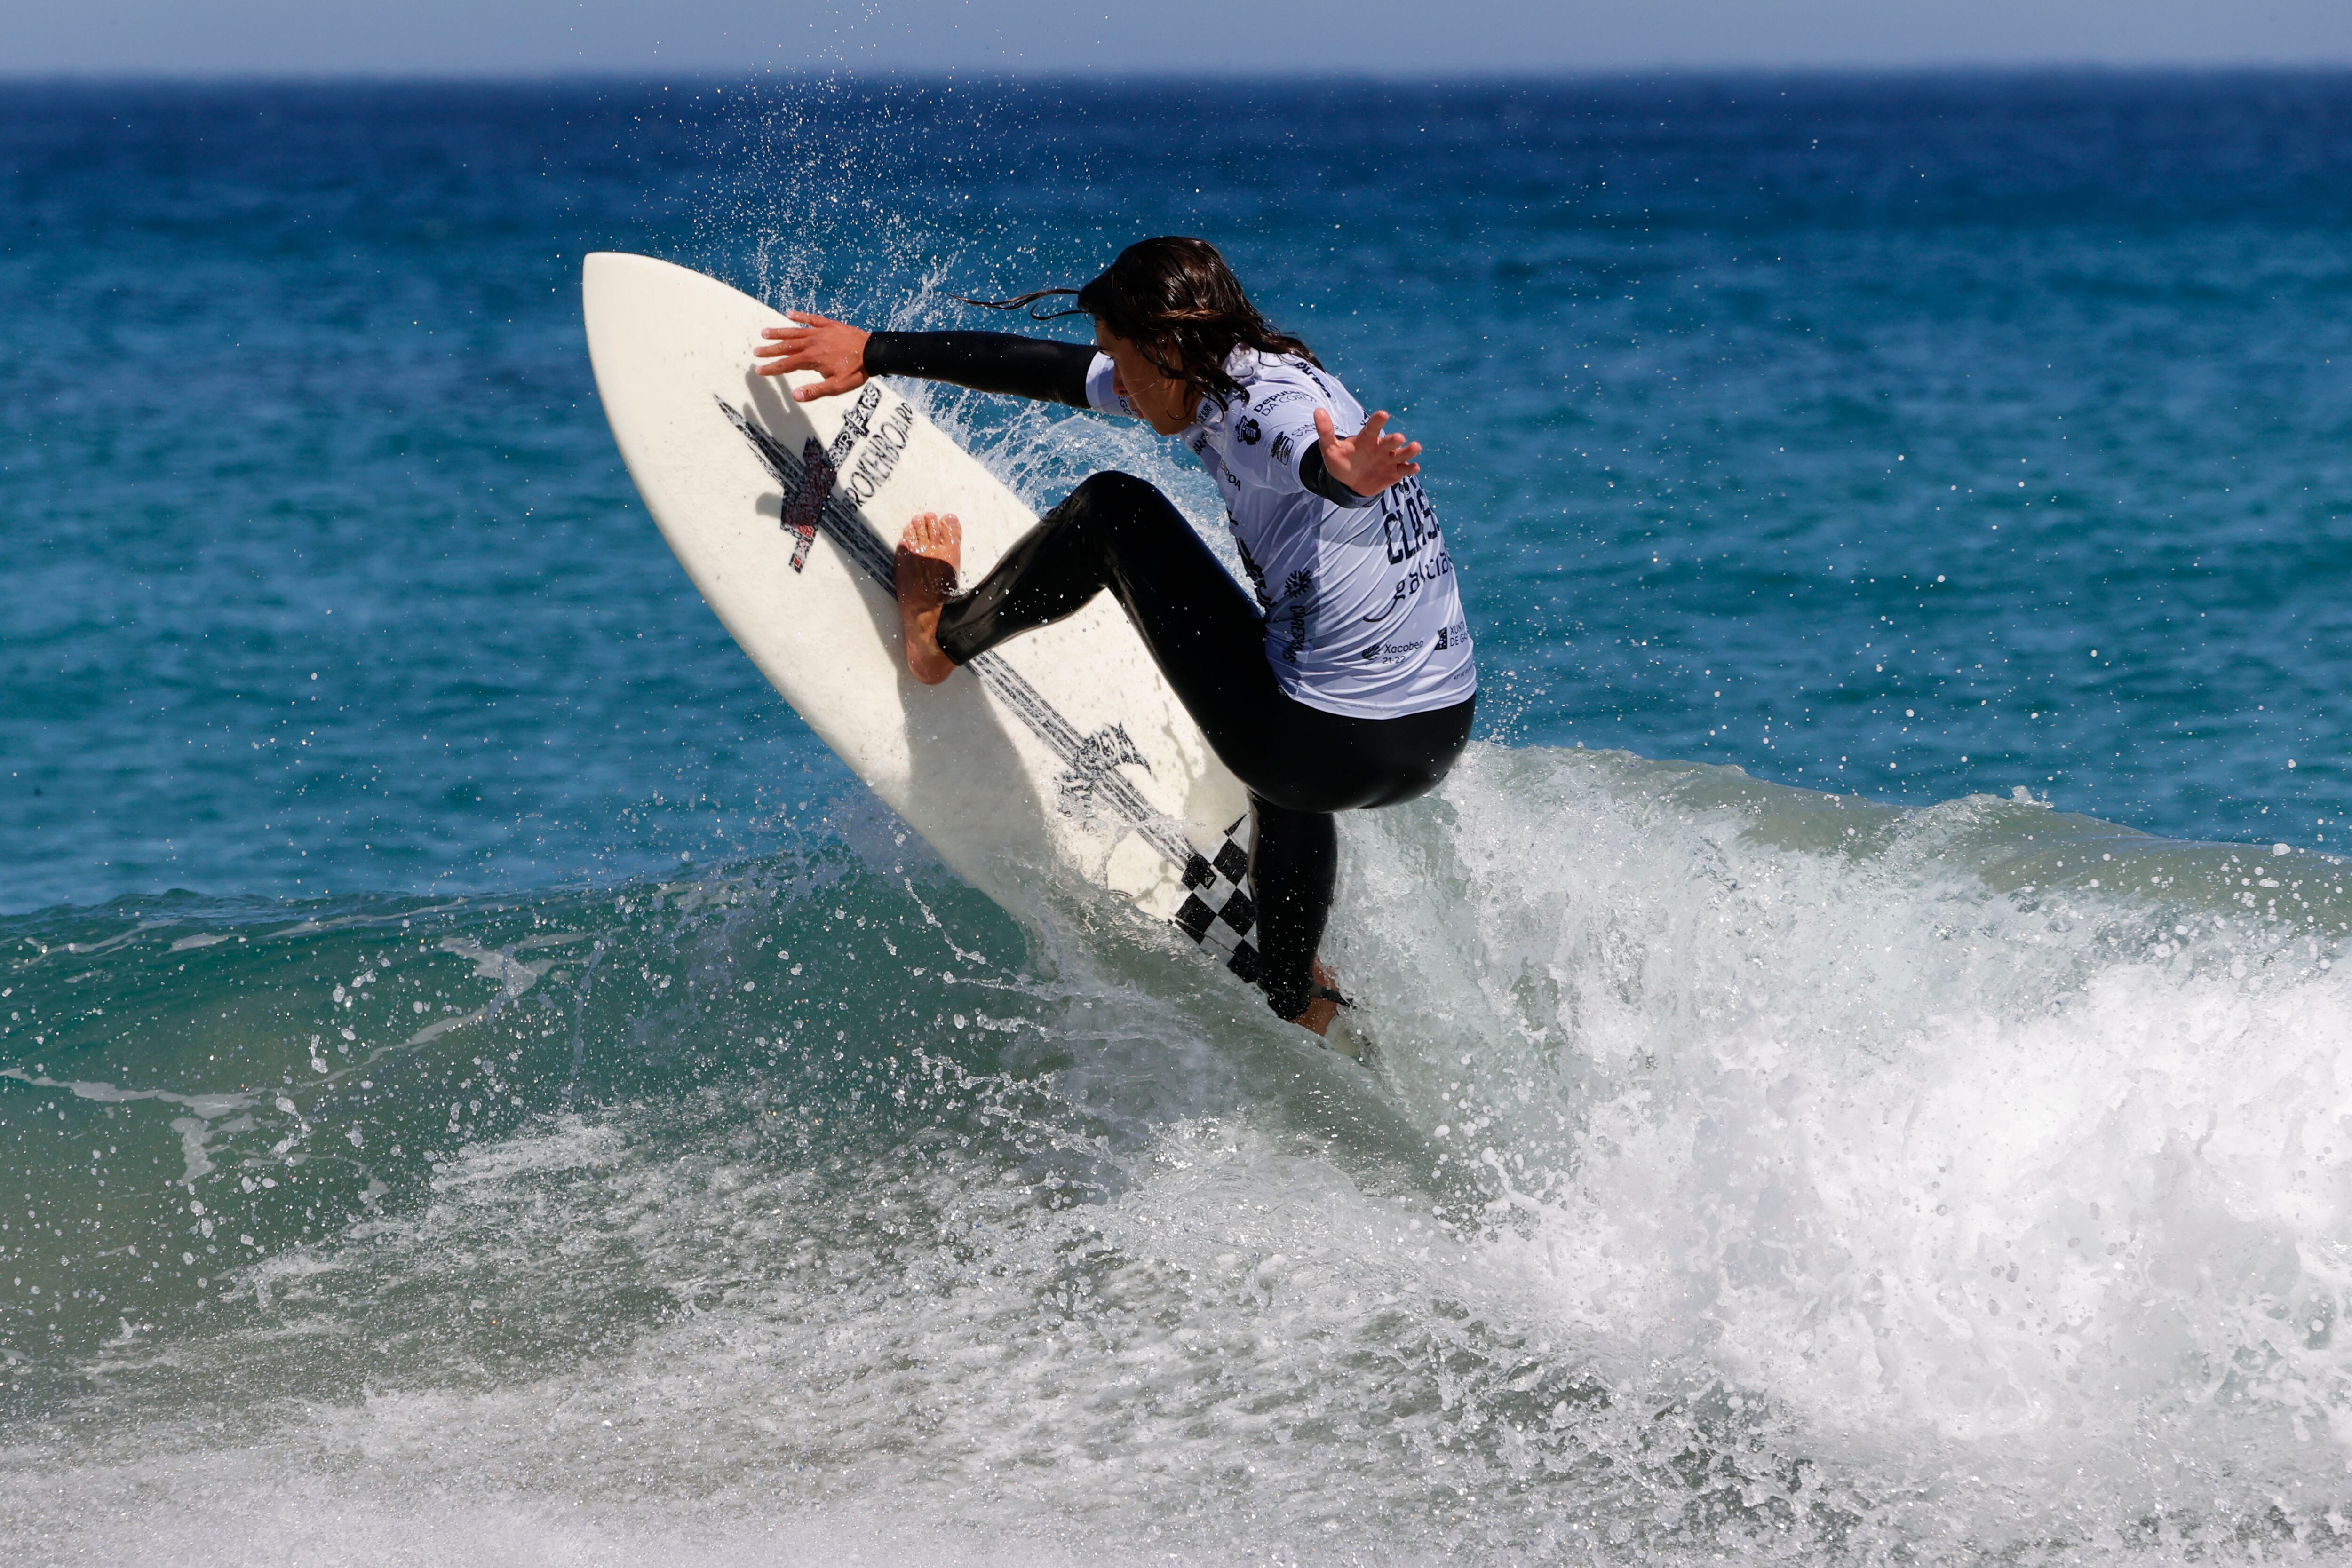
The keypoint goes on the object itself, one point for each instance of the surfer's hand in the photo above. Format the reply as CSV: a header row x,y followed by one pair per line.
x,y
835,349
1367,462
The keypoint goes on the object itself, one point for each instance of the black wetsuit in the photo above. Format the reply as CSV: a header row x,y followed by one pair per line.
x,y
1115,531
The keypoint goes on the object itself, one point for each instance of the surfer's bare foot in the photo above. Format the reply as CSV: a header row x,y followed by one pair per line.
x,y
1317,1019
930,552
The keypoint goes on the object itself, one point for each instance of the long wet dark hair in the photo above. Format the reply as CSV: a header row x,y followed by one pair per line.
x,y
1175,299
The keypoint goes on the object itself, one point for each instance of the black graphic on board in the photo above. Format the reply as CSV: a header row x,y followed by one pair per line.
x,y
820,468
1108,748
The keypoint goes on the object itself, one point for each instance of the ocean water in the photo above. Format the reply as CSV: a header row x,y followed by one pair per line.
x,y
1864,1065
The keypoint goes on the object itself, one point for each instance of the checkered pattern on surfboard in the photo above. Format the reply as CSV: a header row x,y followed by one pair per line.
x,y
1218,913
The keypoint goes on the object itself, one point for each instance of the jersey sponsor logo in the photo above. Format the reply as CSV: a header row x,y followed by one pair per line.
x,y
1247,429
1457,635
1198,444
1407,521
1256,572
1411,583
1388,653
1281,447
1288,394
1299,588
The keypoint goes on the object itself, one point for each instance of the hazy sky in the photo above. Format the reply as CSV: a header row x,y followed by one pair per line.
x,y
475,38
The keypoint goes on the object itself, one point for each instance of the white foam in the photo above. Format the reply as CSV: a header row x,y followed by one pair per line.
x,y
246,1507
1951,1174
1772,1093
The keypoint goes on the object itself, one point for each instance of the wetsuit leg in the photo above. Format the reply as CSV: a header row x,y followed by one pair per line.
x,y
1295,869
1294,854
1299,763
1117,532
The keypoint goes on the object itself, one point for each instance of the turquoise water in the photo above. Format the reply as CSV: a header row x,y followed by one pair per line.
x,y
1860,1064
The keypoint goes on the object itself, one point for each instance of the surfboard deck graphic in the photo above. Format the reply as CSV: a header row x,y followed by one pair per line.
x,y
1061,758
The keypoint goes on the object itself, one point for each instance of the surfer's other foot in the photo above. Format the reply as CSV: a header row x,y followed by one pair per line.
x,y
930,552
1316,1018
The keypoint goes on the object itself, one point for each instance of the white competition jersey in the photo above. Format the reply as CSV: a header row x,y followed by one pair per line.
x,y
1361,613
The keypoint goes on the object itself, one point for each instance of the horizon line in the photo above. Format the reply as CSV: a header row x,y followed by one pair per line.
x,y
1015,76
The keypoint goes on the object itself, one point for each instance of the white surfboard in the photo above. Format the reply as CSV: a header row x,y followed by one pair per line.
x,y
1059,761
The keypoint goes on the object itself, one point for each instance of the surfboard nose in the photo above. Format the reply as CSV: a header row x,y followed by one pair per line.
x,y
608,276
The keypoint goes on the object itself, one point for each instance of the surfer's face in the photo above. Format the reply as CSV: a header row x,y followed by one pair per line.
x,y
1165,403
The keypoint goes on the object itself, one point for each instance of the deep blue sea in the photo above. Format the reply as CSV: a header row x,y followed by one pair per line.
x,y
1864,1073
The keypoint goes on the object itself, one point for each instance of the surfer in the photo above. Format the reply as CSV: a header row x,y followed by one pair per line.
x,y
1346,684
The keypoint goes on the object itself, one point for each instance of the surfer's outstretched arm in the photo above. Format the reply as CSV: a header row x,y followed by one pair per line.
x,y
844,356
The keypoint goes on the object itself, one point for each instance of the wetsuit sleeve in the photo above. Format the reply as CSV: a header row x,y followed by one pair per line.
x,y
1313,476
1005,363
